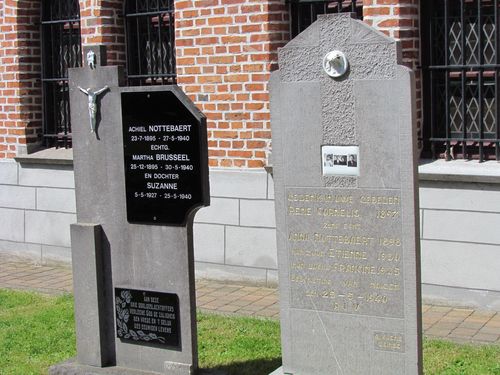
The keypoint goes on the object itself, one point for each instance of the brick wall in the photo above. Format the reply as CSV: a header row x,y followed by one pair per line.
x,y
104,24
226,50
400,20
20,90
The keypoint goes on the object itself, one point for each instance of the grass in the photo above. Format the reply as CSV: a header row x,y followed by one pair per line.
x,y
240,346
447,358
37,331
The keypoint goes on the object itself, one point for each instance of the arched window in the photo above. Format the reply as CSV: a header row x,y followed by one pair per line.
x,y
150,42
61,49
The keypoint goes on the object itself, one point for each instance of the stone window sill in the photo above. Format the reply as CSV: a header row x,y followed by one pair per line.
x,y
459,171
428,170
453,171
49,156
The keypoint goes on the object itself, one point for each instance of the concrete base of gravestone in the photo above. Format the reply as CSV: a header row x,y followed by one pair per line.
x,y
72,368
278,371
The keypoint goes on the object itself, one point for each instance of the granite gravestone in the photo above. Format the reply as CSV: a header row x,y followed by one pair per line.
x,y
141,172
343,121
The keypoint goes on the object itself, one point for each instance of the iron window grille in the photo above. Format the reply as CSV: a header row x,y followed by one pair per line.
x,y
61,49
461,66
150,42
304,12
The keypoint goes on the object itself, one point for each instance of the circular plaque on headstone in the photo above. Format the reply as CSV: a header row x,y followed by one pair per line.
x,y
335,64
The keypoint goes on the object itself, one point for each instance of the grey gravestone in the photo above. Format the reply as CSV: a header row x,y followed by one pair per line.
x,y
140,176
346,204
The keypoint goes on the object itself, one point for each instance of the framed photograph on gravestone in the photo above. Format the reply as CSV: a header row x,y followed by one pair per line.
x,y
166,163
340,160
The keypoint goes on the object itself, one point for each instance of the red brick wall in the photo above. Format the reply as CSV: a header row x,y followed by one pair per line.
x,y
226,50
400,19
104,24
20,67
20,90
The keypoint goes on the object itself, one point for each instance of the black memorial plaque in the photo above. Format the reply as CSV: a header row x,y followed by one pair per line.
x,y
147,317
166,163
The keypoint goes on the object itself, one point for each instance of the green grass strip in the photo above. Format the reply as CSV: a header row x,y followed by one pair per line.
x,y
448,358
37,331
236,345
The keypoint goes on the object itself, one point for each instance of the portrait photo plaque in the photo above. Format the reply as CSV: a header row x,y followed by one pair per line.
x,y
340,160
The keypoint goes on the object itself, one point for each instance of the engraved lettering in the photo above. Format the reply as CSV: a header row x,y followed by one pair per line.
x,y
387,214
142,157
159,148
378,200
304,211
172,157
393,342
169,128
297,236
338,212
161,186
341,262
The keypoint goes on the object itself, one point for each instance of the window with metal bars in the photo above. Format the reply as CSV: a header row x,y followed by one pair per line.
x,y
150,42
304,12
460,62
61,49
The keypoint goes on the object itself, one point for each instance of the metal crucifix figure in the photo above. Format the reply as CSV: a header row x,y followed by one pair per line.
x,y
92,98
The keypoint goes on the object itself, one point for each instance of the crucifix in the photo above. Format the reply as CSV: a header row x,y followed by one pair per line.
x,y
92,98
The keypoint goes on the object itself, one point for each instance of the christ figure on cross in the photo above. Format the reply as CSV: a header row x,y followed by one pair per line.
x,y
92,98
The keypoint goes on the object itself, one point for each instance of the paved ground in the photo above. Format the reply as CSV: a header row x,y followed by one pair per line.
x,y
458,324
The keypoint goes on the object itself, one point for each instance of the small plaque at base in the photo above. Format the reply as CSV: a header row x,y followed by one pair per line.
x,y
147,317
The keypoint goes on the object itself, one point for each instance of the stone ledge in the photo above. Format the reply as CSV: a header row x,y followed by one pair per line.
x,y
459,171
49,156
278,371
70,367
428,170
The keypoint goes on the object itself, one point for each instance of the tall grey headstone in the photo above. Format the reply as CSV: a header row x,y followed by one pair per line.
x,y
132,246
343,122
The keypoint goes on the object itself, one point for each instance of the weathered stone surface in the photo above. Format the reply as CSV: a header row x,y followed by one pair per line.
x,y
12,224
209,243
46,175
48,228
110,253
221,211
62,200
238,184
20,197
92,279
71,367
348,254
257,213
8,172
254,247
